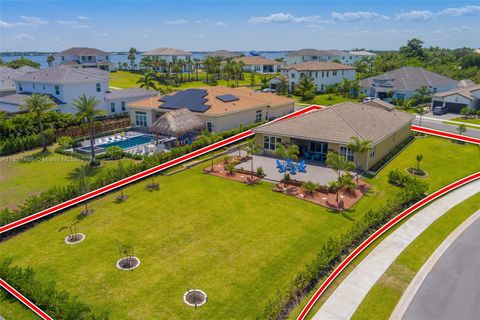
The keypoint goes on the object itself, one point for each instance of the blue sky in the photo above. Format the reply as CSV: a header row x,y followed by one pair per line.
x,y
236,25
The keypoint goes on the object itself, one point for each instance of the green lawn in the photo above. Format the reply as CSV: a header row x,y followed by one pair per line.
x,y
125,79
11,309
325,99
385,294
19,180
238,243
471,121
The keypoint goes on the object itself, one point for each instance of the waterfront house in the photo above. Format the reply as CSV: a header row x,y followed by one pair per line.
x,y
259,64
83,57
332,55
169,55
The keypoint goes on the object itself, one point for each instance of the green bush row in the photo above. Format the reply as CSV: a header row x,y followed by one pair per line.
x,y
331,253
58,304
15,144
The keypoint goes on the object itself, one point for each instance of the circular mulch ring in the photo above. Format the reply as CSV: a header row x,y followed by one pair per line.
x,y
120,198
73,239
195,298
128,263
87,212
413,172
153,186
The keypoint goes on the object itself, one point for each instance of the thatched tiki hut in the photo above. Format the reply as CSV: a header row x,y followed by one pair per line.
x,y
177,123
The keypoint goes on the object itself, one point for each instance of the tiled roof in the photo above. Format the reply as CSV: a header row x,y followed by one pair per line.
x,y
6,78
27,69
83,51
167,52
130,93
319,66
248,99
18,98
257,60
315,52
408,79
337,124
362,53
466,92
64,75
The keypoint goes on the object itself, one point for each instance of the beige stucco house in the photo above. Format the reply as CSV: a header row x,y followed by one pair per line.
x,y
331,129
221,108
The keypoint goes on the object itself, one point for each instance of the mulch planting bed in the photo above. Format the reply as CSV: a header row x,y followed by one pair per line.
x,y
195,298
220,171
329,200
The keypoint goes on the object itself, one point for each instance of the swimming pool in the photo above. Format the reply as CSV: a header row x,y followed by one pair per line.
x,y
129,142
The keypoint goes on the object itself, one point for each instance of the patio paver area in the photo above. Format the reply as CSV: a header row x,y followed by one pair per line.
x,y
316,172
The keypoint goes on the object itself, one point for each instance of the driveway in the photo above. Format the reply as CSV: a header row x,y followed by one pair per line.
x,y
316,172
451,290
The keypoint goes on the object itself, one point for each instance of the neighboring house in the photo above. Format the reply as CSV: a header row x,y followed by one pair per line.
x,y
404,82
221,108
7,74
332,55
458,98
318,132
83,57
224,54
64,84
259,64
323,73
169,55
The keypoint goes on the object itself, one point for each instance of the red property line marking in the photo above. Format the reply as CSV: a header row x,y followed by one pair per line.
x,y
377,234
25,301
445,134
142,174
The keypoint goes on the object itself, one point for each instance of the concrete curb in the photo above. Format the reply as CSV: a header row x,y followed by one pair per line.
x,y
417,281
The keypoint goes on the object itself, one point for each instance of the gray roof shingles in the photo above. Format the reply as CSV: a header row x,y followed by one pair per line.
x,y
83,51
130,93
407,79
337,124
11,103
64,75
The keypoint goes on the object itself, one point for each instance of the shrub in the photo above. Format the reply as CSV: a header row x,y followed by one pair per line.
x,y
114,152
230,167
310,187
24,142
260,171
65,142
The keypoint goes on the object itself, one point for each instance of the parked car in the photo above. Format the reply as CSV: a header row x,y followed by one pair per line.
x,y
368,99
438,111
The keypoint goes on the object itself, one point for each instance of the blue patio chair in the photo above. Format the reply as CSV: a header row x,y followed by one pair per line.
x,y
289,163
281,168
302,167
278,164
293,169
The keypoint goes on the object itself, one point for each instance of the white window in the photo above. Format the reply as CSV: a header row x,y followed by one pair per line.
x,y
122,105
372,152
327,73
57,90
63,58
140,119
112,107
43,87
347,153
334,73
323,74
292,75
99,87
209,126
20,87
33,86
258,116
269,143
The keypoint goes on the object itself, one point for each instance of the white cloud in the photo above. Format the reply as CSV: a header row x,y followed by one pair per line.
x,y
283,18
83,18
200,21
415,15
179,21
456,12
4,24
220,24
460,29
22,36
358,16
75,24
34,21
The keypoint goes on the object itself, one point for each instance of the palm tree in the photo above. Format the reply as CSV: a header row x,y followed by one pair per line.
x,y
37,104
252,148
310,187
338,163
462,128
359,147
196,65
421,112
121,173
87,112
419,159
422,93
306,88
146,81
83,185
290,152
50,59
131,56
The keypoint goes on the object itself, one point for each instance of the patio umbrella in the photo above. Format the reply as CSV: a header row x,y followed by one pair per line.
x,y
176,123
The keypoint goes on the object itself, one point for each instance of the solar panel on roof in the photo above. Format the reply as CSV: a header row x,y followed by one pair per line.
x,y
227,98
192,99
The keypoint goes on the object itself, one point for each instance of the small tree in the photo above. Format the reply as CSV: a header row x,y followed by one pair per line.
x,y
252,148
338,163
121,173
421,112
359,147
114,152
83,185
419,159
126,252
462,128
306,88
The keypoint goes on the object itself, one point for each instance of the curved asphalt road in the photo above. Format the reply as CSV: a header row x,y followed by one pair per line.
x,y
451,290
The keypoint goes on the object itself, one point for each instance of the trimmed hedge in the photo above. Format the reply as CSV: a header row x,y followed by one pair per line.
x,y
20,143
58,304
331,253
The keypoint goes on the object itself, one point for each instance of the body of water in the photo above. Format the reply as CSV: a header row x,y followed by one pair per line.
x,y
116,58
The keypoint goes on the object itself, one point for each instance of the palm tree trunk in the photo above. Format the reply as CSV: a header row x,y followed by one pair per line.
x,y
42,134
252,168
91,142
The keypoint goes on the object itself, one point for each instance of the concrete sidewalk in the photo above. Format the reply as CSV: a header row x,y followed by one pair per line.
x,y
351,292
